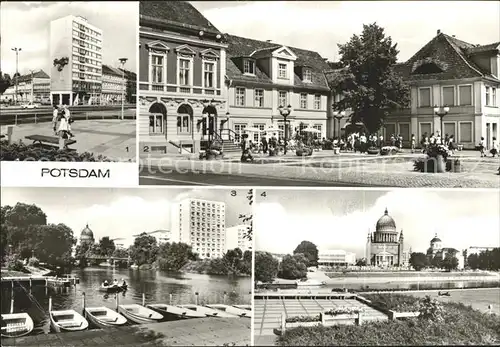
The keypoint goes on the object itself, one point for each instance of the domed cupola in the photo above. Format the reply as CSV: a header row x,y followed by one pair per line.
x,y
87,235
386,223
435,239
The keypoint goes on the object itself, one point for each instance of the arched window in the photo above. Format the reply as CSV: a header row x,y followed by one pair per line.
x,y
184,119
157,115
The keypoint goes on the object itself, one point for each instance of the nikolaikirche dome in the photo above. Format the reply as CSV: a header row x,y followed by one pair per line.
x,y
386,223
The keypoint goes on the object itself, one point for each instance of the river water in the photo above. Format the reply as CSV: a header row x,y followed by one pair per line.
x,y
158,287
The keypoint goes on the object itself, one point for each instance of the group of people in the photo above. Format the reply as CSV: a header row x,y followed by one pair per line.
x,y
122,283
493,149
61,122
436,139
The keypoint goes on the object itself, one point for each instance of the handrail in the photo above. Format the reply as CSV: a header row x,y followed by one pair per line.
x,y
230,132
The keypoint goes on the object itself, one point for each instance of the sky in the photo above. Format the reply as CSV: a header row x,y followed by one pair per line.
x,y
119,212
26,25
341,219
321,25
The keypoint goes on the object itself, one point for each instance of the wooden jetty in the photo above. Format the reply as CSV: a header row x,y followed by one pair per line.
x,y
31,281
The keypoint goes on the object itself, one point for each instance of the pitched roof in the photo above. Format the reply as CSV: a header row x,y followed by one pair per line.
x,y
37,74
484,48
243,47
450,57
109,70
179,13
335,77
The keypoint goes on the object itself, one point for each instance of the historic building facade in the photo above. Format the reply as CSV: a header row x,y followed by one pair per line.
x,y
448,72
34,87
182,59
385,247
114,83
87,236
262,76
436,249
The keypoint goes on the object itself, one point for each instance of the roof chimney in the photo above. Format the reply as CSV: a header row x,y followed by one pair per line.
x,y
439,32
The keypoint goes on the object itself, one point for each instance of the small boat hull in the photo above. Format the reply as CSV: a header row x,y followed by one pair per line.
x,y
231,310
68,320
16,324
139,314
103,317
113,288
244,307
207,311
170,312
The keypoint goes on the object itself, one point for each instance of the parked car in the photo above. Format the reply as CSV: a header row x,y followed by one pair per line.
x,y
30,105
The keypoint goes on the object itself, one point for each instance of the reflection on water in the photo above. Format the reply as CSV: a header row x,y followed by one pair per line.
x,y
158,287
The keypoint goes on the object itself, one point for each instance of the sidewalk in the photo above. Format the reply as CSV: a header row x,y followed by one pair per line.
x,y
114,139
390,171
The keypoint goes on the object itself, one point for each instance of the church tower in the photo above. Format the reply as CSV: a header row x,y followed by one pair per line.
x,y
401,249
368,248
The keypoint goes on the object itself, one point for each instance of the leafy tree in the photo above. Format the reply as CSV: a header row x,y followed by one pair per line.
x,y
55,243
293,267
232,259
246,263
437,262
368,84
419,261
5,82
120,253
450,262
144,249
106,246
173,256
361,262
310,251
486,260
266,267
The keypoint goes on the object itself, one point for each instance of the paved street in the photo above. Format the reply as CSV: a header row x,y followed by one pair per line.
x,y
112,138
196,332
322,169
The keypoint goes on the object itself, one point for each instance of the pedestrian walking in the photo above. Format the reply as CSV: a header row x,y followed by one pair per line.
x,y
494,147
482,147
413,143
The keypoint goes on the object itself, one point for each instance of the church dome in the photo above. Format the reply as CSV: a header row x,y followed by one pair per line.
x,y
386,223
86,233
435,239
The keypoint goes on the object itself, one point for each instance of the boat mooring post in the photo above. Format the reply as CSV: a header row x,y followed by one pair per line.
x,y
117,301
83,303
170,299
143,299
30,283
196,295
50,304
224,300
12,302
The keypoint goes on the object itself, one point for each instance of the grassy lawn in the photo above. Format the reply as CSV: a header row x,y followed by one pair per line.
x,y
461,325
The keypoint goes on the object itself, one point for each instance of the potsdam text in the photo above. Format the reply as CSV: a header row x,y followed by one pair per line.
x,y
76,173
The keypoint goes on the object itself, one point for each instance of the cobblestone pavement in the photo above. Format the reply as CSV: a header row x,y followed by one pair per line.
x,y
195,332
112,138
393,171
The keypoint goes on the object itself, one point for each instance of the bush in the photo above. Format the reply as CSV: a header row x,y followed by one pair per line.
x,y
14,263
461,326
303,319
304,151
22,152
33,262
394,302
452,165
431,309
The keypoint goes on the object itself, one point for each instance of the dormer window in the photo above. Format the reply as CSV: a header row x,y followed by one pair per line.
x,y
307,75
249,66
282,70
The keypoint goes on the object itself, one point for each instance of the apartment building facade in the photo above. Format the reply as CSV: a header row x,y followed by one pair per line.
x,y
182,60
34,87
236,237
200,224
114,84
262,76
75,48
448,72
332,258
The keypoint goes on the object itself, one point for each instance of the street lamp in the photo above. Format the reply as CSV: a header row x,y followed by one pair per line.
x,y
222,122
32,85
338,116
17,50
441,112
285,112
123,61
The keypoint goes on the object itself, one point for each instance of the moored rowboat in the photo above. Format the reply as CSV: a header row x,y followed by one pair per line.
x,y
139,314
231,310
66,320
244,307
103,317
175,312
16,324
209,312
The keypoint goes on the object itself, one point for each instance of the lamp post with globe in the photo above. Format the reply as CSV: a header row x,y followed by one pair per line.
x,y
285,112
441,112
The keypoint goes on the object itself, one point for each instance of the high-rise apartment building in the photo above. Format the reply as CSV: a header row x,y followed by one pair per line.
x,y
200,224
76,53
236,237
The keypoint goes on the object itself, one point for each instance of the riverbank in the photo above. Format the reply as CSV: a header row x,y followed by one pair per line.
x,y
191,332
408,274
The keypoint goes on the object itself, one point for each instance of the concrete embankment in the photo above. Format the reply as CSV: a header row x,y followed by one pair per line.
x,y
189,332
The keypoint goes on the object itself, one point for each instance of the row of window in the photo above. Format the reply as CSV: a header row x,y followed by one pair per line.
x,y
80,85
85,29
240,95
449,96
82,44
84,60
84,76
83,51
82,67
464,130
82,36
184,68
